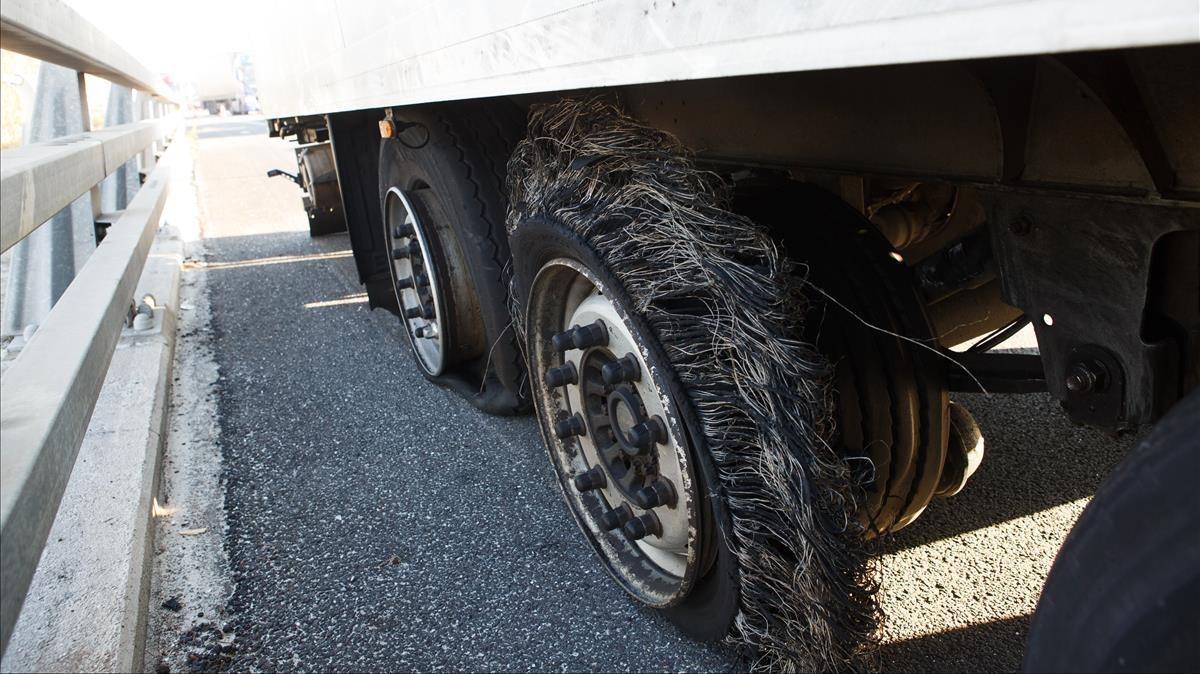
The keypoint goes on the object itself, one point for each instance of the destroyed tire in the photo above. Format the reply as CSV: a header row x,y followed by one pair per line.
x,y
687,422
441,194
893,407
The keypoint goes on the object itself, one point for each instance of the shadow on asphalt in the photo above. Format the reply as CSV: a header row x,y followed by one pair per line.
x,y
987,647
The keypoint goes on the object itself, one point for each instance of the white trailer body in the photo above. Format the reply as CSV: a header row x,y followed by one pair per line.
x,y
333,57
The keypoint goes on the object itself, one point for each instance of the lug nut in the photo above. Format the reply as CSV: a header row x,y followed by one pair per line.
x,y
563,340
401,231
646,435
592,478
427,331
418,280
590,335
623,369
616,518
642,526
657,493
402,252
424,311
569,427
562,375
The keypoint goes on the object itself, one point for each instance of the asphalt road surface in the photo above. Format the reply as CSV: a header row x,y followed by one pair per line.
x,y
368,520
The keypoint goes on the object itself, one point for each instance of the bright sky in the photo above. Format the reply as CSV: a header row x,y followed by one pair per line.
x,y
172,36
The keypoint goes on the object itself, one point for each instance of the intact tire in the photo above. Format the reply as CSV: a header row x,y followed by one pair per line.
x,y
447,166
1123,592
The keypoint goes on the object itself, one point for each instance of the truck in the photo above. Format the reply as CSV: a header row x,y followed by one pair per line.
x,y
223,83
737,258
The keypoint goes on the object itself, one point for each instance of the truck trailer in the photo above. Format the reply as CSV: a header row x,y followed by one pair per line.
x,y
738,258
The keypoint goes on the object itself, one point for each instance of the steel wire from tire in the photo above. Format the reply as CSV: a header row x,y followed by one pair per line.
x,y
726,307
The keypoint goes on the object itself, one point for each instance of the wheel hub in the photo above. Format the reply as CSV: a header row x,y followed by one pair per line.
x,y
620,450
415,279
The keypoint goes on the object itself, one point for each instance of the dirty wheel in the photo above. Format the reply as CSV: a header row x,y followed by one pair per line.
x,y
688,423
440,188
623,438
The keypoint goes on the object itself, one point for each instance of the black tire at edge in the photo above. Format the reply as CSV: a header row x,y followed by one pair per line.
x,y
1124,591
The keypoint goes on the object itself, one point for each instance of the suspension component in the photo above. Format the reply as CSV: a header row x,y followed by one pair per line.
x,y
592,478
642,526
623,369
569,427
562,375
658,493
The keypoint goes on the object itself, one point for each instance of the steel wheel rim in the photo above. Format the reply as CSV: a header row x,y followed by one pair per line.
x,y
426,334
657,569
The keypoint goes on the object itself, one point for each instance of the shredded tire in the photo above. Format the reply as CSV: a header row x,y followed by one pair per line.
x,y
726,307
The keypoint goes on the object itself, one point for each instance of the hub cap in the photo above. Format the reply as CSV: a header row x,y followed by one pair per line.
x,y
642,517
415,279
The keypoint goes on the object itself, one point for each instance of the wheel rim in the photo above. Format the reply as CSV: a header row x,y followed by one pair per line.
x,y
626,429
415,281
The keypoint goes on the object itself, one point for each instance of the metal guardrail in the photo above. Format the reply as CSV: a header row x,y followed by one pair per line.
x,y
37,181
50,390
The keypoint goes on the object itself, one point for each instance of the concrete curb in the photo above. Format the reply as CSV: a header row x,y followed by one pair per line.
x,y
86,608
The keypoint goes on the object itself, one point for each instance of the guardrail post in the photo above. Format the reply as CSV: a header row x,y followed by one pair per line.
x,y
145,110
118,188
44,263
